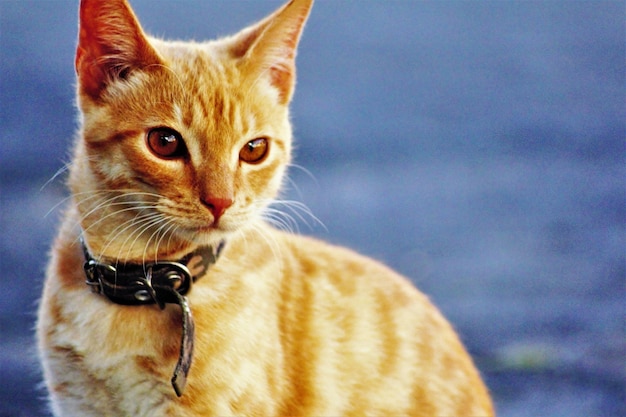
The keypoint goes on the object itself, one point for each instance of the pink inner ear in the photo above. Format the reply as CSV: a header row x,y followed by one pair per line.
x,y
269,47
110,43
90,73
283,79
89,65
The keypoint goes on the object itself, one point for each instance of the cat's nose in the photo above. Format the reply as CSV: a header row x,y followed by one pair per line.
x,y
217,206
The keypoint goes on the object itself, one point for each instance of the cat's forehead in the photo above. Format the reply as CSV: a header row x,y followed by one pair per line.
x,y
198,82
188,52
200,90
192,62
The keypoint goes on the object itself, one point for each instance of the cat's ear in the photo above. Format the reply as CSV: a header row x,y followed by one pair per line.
x,y
268,48
111,44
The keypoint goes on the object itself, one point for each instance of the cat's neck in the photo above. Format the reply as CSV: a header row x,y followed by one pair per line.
x,y
108,241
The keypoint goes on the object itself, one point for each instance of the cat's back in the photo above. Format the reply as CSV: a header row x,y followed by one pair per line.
x,y
366,342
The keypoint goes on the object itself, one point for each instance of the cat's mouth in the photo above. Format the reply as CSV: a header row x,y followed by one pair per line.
x,y
208,232
198,225
209,228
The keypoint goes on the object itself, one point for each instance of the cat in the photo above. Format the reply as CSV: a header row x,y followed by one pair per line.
x,y
170,289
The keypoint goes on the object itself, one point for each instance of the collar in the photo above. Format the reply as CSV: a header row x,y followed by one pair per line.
x,y
149,282
159,282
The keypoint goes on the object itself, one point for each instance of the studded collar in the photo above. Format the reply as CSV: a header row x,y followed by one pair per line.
x,y
160,282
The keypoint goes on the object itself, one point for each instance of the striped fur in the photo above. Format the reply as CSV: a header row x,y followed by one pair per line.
x,y
285,325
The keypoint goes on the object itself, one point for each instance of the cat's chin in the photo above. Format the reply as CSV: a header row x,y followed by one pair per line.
x,y
206,235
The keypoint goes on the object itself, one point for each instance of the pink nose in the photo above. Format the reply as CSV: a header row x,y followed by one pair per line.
x,y
217,206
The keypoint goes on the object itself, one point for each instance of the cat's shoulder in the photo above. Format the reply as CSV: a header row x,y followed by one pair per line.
x,y
342,266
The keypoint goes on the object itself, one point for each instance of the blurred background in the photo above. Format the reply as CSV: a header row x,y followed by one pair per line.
x,y
478,147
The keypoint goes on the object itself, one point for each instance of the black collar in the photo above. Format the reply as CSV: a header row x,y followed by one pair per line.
x,y
150,282
158,282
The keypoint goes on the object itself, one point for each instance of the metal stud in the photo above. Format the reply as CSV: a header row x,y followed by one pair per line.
x,y
175,279
143,295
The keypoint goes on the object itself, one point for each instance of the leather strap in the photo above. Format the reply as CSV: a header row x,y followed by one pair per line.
x,y
159,283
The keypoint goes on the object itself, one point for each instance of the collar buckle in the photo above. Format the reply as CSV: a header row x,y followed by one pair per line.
x,y
153,283
158,282
95,271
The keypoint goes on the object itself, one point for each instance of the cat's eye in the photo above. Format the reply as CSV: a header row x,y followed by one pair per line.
x,y
254,151
166,143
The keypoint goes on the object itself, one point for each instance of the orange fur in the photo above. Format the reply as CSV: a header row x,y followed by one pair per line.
x,y
285,325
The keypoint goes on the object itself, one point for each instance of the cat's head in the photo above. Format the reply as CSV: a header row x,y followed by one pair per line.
x,y
180,141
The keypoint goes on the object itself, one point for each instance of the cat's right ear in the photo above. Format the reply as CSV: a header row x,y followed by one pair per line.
x,y
268,48
111,44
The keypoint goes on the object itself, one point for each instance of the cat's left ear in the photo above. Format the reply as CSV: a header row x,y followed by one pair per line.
x,y
268,48
111,44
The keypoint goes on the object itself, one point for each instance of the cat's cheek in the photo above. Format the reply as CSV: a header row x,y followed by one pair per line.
x,y
254,193
159,174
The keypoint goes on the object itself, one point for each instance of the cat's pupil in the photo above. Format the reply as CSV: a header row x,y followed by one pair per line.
x,y
165,143
254,151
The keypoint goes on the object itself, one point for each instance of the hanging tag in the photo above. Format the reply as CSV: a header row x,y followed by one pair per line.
x,y
179,379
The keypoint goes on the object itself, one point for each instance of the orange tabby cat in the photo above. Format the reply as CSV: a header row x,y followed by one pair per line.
x,y
168,292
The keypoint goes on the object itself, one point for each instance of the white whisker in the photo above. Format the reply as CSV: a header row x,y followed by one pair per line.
x,y
146,224
59,172
117,212
168,228
281,220
298,209
123,227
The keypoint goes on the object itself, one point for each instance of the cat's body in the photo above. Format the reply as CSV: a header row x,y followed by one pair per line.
x,y
184,145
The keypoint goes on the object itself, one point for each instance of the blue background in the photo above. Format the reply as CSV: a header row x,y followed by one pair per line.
x,y
476,146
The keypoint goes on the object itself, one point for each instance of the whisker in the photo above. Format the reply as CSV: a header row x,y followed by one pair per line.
x,y
158,235
145,224
57,205
155,223
59,172
305,170
134,205
281,220
298,209
171,229
69,197
128,209
122,228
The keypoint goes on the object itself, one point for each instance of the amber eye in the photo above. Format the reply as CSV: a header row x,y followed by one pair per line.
x,y
166,143
254,151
